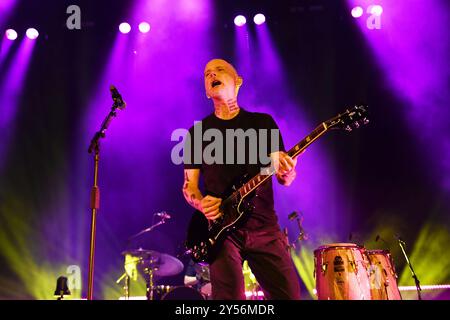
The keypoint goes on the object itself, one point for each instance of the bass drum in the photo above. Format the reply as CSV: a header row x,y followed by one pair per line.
x,y
160,290
183,293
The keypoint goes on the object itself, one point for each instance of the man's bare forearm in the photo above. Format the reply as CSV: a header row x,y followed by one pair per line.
x,y
193,196
191,193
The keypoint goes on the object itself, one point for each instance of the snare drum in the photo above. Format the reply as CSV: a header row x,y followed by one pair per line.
x,y
383,278
183,293
341,272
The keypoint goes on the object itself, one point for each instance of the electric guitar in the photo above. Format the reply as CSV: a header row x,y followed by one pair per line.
x,y
204,236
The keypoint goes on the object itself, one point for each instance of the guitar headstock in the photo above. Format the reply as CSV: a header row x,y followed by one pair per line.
x,y
351,119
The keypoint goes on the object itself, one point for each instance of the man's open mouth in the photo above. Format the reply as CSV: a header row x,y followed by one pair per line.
x,y
215,83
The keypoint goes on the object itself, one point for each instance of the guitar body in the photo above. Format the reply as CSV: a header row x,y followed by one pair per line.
x,y
205,237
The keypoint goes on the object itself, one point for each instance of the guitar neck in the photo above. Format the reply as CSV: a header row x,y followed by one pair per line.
x,y
313,136
266,173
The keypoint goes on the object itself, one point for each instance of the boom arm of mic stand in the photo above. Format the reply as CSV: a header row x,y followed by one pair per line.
x,y
101,133
147,230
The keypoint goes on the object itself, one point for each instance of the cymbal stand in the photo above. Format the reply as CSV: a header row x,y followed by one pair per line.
x,y
302,236
150,285
126,286
149,281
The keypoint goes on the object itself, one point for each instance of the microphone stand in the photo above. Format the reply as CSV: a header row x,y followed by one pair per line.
x,y
401,243
150,287
95,191
302,236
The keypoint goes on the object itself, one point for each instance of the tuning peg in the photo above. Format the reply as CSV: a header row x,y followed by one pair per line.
x,y
366,121
356,124
348,128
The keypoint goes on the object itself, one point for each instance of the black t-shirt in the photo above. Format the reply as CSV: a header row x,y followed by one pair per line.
x,y
226,150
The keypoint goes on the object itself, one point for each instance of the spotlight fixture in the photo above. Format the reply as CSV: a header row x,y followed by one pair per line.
x,y
357,12
144,27
124,27
32,33
259,19
240,20
11,34
376,10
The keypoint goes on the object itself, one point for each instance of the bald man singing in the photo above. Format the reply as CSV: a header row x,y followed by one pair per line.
x,y
258,239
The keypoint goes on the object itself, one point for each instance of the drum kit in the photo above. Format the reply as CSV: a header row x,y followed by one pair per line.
x,y
152,264
347,271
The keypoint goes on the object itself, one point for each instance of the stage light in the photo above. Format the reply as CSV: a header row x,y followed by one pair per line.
x,y
357,12
240,20
124,27
259,19
61,288
11,34
144,27
375,10
32,33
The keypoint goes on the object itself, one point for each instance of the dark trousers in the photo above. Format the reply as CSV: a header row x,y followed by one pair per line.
x,y
269,260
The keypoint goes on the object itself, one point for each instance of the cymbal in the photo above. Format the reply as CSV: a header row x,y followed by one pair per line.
x,y
142,253
168,266
161,264
134,257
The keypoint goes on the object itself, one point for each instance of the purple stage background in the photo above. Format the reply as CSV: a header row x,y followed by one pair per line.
x,y
307,63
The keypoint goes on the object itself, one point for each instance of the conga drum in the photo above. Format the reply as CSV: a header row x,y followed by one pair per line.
x,y
383,278
341,272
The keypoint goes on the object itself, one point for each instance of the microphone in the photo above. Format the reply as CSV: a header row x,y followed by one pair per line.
x,y
118,101
163,215
184,253
400,239
380,238
354,237
292,216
